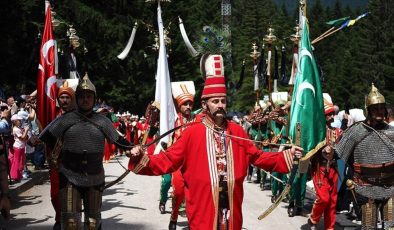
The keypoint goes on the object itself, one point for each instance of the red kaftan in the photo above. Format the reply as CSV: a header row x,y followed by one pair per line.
x,y
198,166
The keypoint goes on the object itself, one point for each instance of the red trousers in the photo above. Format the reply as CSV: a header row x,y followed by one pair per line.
x,y
326,196
55,186
178,195
108,150
17,158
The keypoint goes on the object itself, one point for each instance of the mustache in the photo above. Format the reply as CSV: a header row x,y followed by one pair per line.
x,y
220,110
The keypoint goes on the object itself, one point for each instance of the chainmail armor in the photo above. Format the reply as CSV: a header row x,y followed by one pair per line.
x,y
82,137
369,147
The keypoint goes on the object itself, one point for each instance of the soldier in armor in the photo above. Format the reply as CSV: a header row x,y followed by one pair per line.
x,y
368,148
325,174
80,165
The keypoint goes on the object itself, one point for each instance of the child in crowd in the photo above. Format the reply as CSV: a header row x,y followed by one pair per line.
x,y
17,152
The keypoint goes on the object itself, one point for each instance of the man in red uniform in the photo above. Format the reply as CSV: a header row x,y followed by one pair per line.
x,y
183,93
213,156
325,174
66,100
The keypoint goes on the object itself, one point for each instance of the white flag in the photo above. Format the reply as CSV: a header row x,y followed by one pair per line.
x,y
163,85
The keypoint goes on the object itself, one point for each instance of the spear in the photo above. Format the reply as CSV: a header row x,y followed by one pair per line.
x,y
269,39
334,23
255,55
346,23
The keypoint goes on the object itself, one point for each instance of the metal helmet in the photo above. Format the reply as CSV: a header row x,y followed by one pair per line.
x,y
374,97
86,84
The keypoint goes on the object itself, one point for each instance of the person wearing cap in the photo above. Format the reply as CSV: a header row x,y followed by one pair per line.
x,y
278,125
66,101
77,138
17,152
325,173
134,129
143,125
65,98
183,94
213,156
258,132
129,126
368,148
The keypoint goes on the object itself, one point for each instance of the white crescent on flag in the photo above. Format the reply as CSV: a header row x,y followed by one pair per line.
x,y
41,68
45,49
302,87
49,84
304,52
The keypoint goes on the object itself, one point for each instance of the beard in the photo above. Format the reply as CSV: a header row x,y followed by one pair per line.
x,y
378,119
187,112
219,117
328,122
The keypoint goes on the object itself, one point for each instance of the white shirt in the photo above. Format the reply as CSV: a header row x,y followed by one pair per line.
x,y
391,123
17,133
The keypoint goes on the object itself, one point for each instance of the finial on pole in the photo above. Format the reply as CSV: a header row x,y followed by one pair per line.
x,y
296,37
270,37
254,54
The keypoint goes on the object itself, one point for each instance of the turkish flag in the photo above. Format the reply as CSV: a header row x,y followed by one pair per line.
x,y
46,79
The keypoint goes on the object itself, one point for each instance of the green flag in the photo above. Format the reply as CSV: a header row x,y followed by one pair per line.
x,y
337,22
307,107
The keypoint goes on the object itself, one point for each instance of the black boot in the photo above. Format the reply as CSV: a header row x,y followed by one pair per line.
x,y
162,207
172,225
311,225
291,210
273,199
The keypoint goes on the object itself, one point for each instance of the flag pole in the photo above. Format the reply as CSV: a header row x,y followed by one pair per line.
x,y
269,39
328,34
296,39
255,55
163,93
323,34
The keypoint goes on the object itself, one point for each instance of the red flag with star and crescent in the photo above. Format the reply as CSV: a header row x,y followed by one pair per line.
x,y
46,79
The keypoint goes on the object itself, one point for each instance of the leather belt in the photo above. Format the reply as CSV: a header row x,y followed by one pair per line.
x,y
381,174
86,163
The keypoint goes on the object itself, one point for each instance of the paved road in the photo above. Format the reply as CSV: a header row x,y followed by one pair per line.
x,y
133,204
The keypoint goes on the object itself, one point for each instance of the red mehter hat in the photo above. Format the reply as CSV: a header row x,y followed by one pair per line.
x,y
65,89
215,84
328,105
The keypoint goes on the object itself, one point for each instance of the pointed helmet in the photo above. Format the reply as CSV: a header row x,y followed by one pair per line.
x,y
86,84
374,97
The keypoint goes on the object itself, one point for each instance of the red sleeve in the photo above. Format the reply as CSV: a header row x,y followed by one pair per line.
x,y
270,161
165,162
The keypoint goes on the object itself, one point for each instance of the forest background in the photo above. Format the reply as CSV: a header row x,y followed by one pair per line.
x,y
350,60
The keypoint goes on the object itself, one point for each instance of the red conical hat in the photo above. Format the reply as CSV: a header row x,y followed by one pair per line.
x,y
215,84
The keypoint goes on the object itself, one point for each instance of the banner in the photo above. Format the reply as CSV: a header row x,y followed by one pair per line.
x,y
46,79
